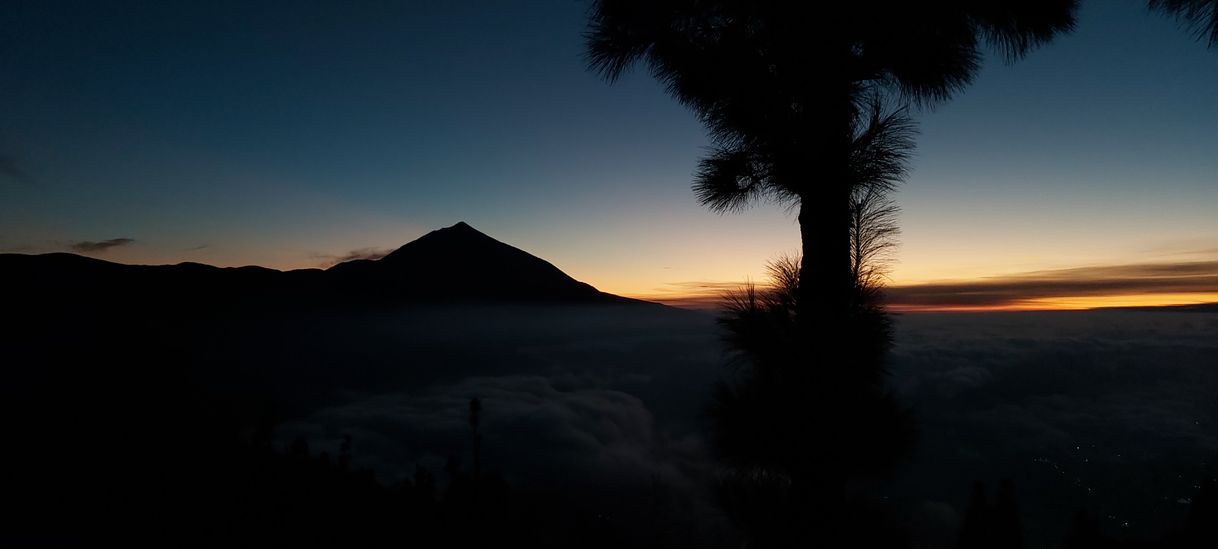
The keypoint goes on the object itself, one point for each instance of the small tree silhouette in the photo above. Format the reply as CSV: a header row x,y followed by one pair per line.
x,y
794,436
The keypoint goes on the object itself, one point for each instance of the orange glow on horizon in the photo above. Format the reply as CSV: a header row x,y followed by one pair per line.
x,y
1080,303
1134,300
711,301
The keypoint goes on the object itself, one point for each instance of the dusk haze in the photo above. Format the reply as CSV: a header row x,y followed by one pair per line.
x,y
610,273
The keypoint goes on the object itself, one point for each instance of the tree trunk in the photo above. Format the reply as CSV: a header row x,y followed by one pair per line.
x,y
821,166
826,285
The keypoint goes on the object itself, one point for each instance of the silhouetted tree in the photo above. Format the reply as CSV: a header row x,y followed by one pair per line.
x,y
792,437
792,94
782,88
795,434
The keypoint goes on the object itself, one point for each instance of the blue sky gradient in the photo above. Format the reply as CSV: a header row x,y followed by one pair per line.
x,y
288,134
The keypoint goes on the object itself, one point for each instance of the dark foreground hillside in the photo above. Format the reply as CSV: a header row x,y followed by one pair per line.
x,y
154,414
177,406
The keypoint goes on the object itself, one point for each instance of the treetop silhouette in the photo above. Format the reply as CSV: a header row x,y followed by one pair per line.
x,y
789,92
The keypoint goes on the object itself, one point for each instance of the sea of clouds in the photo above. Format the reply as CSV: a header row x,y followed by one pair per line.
x,y
1113,411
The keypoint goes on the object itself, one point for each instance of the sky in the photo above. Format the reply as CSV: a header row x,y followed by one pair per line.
x,y
296,134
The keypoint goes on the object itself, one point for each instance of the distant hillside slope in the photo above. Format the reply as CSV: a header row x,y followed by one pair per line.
x,y
455,264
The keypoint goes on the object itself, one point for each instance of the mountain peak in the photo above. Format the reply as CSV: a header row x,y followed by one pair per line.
x,y
460,229
452,239
460,260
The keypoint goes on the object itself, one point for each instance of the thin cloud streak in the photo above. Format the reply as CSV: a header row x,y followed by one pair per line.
x,y
1037,289
100,246
694,294
1029,289
371,254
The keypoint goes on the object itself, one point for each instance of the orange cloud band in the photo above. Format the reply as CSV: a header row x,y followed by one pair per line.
x,y
1148,284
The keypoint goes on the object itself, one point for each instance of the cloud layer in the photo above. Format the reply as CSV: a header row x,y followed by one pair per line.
x,y
99,246
1108,410
1112,410
1196,277
700,295
604,405
361,253
1038,289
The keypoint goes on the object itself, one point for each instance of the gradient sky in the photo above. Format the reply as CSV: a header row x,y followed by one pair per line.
x,y
293,134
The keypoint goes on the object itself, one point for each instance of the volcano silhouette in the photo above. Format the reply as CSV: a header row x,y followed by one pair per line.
x,y
462,263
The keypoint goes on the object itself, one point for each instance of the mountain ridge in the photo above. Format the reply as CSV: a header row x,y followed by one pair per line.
x,y
456,263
